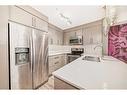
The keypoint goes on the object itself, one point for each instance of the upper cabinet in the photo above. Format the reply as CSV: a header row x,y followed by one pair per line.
x,y
71,33
78,32
39,23
55,35
91,33
22,16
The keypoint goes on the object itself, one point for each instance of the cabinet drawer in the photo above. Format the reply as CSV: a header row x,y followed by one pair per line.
x,y
54,67
20,16
51,69
53,60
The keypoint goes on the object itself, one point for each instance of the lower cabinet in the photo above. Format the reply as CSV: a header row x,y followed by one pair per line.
x,y
56,62
62,85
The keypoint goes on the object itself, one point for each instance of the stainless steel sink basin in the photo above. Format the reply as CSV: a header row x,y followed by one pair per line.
x,y
91,58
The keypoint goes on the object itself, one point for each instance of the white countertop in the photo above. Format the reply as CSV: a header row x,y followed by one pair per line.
x,y
57,53
107,74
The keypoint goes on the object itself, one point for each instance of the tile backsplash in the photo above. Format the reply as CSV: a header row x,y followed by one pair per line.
x,y
95,49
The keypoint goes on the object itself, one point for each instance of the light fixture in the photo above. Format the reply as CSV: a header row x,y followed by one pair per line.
x,y
63,17
109,18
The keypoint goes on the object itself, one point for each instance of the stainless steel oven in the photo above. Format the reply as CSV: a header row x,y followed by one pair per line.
x,y
72,57
75,53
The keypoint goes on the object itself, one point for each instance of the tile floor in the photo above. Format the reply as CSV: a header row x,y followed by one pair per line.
x,y
48,85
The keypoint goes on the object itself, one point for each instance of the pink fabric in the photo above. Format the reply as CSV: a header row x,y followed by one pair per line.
x,y
117,42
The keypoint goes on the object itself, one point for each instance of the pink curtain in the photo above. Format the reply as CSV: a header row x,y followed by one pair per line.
x,y
117,42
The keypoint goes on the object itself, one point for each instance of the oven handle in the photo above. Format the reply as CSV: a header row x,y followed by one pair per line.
x,y
73,55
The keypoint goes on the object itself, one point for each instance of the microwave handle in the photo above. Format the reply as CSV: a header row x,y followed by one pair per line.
x,y
80,40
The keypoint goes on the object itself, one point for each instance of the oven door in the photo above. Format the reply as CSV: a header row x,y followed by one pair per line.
x,y
72,58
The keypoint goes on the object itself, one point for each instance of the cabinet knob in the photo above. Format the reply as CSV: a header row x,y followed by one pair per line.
x,y
56,62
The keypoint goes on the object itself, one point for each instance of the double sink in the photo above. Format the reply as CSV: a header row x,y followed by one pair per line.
x,y
91,58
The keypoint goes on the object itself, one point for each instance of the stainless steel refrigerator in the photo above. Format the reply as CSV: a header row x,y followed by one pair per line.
x,y
28,56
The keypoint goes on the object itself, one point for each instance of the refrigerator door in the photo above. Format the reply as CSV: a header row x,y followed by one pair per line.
x,y
40,60
20,65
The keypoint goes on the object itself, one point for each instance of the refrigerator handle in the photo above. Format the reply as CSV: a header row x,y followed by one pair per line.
x,y
31,52
47,64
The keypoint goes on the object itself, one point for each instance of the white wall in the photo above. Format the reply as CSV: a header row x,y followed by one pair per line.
x,y
122,14
121,18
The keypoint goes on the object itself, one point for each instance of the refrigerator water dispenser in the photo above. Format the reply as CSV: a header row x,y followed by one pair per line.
x,y
21,55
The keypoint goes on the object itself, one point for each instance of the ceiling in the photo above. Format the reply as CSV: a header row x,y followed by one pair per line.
x,y
78,14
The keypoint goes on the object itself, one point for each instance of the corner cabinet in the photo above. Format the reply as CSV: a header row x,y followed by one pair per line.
x,y
71,33
24,17
55,36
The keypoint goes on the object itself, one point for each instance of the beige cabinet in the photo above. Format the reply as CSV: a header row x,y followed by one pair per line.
x,y
21,16
97,34
55,37
92,35
63,59
66,38
60,85
39,23
52,36
87,36
56,62
78,32
70,34
59,38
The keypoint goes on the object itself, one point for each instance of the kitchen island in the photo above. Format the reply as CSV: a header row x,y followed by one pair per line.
x,y
109,73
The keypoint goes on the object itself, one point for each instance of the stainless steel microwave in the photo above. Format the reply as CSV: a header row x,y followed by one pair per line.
x,y
78,40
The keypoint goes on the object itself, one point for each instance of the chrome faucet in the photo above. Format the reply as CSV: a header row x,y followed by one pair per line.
x,y
101,47
98,46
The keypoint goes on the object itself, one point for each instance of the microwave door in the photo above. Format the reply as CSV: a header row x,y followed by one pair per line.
x,y
73,41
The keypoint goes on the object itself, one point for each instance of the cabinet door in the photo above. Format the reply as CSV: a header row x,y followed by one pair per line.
x,y
59,38
78,32
97,34
40,24
55,39
87,35
20,16
67,36
50,35
63,60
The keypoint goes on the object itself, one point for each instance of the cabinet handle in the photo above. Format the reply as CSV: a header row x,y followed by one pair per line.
x,y
51,41
35,22
32,21
56,57
56,62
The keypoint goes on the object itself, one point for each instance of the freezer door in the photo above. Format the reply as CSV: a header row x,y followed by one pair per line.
x,y
40,57
20,65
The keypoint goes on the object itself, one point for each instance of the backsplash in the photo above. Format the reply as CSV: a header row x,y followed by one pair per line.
x,y
95,49
117,42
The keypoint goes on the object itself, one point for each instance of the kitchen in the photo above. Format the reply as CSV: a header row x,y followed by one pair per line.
x,y
42,48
